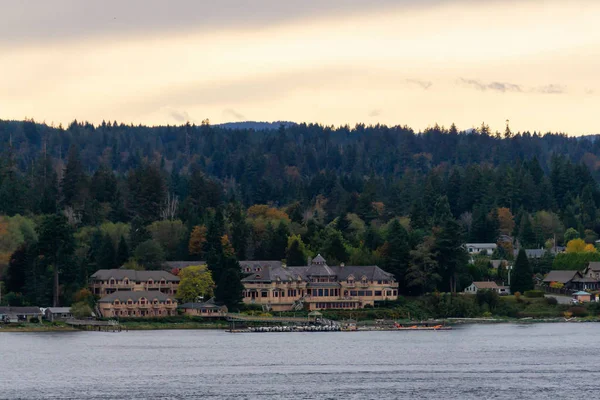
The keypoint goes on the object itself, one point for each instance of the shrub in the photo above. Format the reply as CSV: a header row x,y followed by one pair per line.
x,y
534,294
578,311
34,320
551,301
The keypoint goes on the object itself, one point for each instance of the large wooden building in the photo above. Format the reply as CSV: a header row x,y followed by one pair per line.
x,y
106,281
316,286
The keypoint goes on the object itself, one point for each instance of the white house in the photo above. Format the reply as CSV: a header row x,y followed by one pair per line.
x,y
476,248
477,286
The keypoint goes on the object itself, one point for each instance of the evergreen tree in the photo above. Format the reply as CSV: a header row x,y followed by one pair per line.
x,y
107,255
295,254
522,276
451,255
122,252
56,244
397,252
74,180
229,286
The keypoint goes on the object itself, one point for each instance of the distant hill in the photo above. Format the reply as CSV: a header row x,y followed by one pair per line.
x,y
256,125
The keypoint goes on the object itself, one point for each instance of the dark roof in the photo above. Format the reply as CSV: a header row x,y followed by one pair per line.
x,y
594,266
531,253
181,264
562,276
135,296
20,310
59,310
371,272
319,260
319,270
132,275
207,304
585,280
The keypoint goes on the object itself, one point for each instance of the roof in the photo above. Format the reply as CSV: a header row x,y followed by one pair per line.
x,y
594,266
319,260
581,293
132,275
561,276
483,245
485,285
211,303
531,253
585,280
20,310
370,272
59,310
135,296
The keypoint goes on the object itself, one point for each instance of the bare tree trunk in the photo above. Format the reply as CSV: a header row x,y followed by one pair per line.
x,y
170,207
55,294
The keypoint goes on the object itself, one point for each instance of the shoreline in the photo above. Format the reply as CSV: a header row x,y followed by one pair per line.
x,y
158,326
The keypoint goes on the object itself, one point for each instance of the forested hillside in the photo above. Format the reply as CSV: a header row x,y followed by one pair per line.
x,y
90,197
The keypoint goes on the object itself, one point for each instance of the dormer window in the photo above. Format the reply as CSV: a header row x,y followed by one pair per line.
x,y
150,282
257,276
258,269
142,301
247,269
163,282
126,281
129,301
111,281
116,302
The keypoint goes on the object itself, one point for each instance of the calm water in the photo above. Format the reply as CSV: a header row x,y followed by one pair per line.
x,y
491,362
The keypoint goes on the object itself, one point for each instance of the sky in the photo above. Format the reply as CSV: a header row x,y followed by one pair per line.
x,y
396,62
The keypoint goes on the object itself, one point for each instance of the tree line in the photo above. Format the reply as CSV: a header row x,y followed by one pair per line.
x,y
88,197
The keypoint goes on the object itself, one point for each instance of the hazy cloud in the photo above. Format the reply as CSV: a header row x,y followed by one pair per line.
x,y
230,112
179,116
423,84
375,113
551,89
497,86
590,91
41,21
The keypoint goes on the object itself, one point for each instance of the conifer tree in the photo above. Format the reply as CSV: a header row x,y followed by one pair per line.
x,y
522,276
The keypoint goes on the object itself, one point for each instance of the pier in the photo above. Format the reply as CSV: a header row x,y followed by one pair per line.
x,y
93,325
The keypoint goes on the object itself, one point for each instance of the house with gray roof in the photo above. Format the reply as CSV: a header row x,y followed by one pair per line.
x,y
571,280
107,281
208,309
19,314
53,314
137,304
318,286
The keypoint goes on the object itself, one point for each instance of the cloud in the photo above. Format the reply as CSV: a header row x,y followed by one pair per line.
x,y
550,89
179,116
590,91
230,112
497,86
375,113
29,22
423,84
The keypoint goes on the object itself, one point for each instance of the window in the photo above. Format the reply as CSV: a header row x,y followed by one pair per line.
x,y
353,293
264,294
378,293
150,282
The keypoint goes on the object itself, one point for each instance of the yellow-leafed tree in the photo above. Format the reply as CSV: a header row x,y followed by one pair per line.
x,y
196,280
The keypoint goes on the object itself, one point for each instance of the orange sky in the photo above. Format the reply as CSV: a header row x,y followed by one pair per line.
x,y
333,62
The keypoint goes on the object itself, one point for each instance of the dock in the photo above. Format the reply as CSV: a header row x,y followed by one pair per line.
x,y
93,325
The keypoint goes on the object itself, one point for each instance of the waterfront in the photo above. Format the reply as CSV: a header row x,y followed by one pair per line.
x,y
476,361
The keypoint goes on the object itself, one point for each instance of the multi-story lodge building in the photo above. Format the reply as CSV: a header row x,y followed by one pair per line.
x,y
137,304
107,281
316,286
